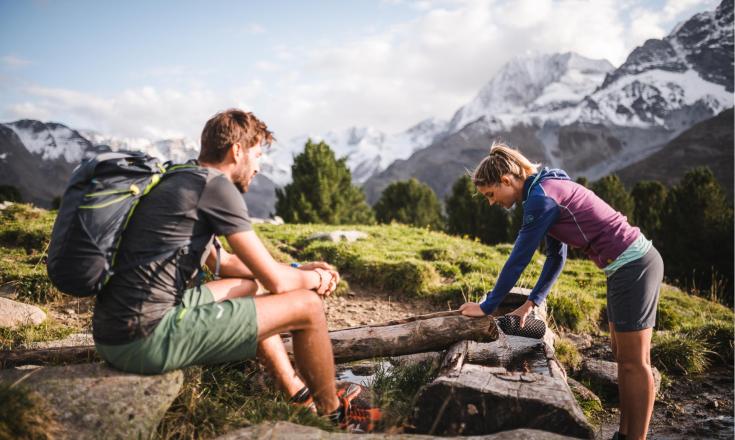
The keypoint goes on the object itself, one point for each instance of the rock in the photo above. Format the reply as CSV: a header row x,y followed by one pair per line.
x,y
289,431
93,401
582,391
604,377
582,341
8,291
337,236
73,340
268,221
14,314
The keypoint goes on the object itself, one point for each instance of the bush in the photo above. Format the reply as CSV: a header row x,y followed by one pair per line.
x,y
410,202
578,313
397,389
567,354
681,353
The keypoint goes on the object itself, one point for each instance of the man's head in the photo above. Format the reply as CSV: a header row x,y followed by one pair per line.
x,y
231,142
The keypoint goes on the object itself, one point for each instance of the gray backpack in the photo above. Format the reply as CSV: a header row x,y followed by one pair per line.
x,y
96,207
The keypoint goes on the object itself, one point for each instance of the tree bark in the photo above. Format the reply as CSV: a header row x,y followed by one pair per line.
x,y
432,332
78,354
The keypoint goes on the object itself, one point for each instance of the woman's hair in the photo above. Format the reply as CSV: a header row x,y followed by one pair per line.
x,y
502,160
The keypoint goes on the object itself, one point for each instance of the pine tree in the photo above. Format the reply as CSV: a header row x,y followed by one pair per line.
x,y
611,190
321,190
410,202
649,198
469,213
698,234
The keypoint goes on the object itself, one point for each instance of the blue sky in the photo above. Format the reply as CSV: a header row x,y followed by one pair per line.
x,y
161,68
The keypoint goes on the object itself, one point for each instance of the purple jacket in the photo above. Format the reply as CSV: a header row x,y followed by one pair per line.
x,y
564,213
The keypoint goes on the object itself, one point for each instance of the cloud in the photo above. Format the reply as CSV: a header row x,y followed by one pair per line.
x,y
254,28
13,61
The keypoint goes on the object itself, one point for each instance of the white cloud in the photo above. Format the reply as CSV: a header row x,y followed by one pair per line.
x,y
390,79
254,28
14,61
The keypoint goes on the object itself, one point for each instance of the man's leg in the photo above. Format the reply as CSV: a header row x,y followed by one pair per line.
x,y
301,312
270,350
635,380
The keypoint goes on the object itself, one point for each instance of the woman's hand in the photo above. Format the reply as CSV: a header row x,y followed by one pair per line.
x,y
523,311
471,309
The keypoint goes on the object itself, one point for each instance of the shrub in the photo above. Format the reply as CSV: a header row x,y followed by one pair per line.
x,y
567,354
681,353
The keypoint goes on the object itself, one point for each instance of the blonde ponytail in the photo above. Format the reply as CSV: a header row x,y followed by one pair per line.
x,y
501,161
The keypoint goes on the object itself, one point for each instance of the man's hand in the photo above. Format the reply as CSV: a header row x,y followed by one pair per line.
x,y
471,309
523,311
334,275
328,280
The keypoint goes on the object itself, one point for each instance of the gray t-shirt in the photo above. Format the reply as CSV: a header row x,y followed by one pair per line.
x,y
169,233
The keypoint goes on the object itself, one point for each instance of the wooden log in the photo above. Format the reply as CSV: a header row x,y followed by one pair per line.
x,y
432,332
416,334
55,355
520,385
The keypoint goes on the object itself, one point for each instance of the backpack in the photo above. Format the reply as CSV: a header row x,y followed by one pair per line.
x,y
95,210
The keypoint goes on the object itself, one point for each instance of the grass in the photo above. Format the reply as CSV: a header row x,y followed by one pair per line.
x,y
592,408
221,398
567,354
49,330
397,389
25,415
681,353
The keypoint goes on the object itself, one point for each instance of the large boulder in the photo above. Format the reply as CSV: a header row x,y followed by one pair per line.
x,y
603,377
15,314
93,401
291,431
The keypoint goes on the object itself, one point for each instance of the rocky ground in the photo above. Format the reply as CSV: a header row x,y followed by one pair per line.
x,y
694,406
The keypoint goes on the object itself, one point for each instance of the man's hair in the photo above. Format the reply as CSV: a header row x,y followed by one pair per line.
x,y
501,161
228,128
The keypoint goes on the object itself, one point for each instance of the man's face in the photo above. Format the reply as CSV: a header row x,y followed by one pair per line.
x,y
248,165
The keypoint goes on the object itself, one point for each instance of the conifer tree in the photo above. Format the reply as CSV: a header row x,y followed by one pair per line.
x,y
321,190
611,190
698,234
468,212
410,202
649,198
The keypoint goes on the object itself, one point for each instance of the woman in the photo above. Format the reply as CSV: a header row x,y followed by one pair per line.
x,y
564,213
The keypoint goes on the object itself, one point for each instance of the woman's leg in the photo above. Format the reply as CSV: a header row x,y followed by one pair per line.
x,y
635,381
271,350
623,428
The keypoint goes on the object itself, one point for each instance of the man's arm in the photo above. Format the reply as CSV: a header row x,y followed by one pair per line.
x,y
275,277
230,266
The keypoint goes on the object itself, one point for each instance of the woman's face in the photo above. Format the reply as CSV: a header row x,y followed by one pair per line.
x,y
505,193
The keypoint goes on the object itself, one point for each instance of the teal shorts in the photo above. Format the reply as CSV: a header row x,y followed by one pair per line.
x,y
198,331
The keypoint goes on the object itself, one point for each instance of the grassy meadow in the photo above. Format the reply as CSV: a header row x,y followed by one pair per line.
x,y
692,332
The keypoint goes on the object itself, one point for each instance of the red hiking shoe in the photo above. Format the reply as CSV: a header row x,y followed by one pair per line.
x,y
358,412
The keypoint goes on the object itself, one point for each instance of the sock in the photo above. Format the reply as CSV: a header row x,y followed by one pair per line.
x,y
301,395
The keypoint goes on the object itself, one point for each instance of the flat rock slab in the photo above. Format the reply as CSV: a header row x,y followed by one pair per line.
x,y
291,431
73,340
603,376
337,236
93,401
14,314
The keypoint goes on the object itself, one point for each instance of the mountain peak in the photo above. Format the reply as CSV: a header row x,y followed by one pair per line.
x,y
535,82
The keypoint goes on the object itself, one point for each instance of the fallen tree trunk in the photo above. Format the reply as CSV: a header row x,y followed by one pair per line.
x,y
519,385
77,354
432,332
416,334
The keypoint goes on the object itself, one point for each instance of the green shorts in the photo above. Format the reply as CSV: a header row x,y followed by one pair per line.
x,y
196,332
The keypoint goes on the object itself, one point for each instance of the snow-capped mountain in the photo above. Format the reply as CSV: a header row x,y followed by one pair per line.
x,y
368,150
177,150
533,86
568,111
51,140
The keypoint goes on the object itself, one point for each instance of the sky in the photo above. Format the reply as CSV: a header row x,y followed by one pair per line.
x,y
160,69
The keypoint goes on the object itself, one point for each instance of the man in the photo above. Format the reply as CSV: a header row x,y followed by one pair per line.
x,y
147,321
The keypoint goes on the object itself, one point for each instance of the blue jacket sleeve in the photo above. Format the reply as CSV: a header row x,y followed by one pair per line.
x,y
556,256
539,213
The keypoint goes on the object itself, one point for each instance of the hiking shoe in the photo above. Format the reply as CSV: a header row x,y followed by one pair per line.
x,y
303,399
358,412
